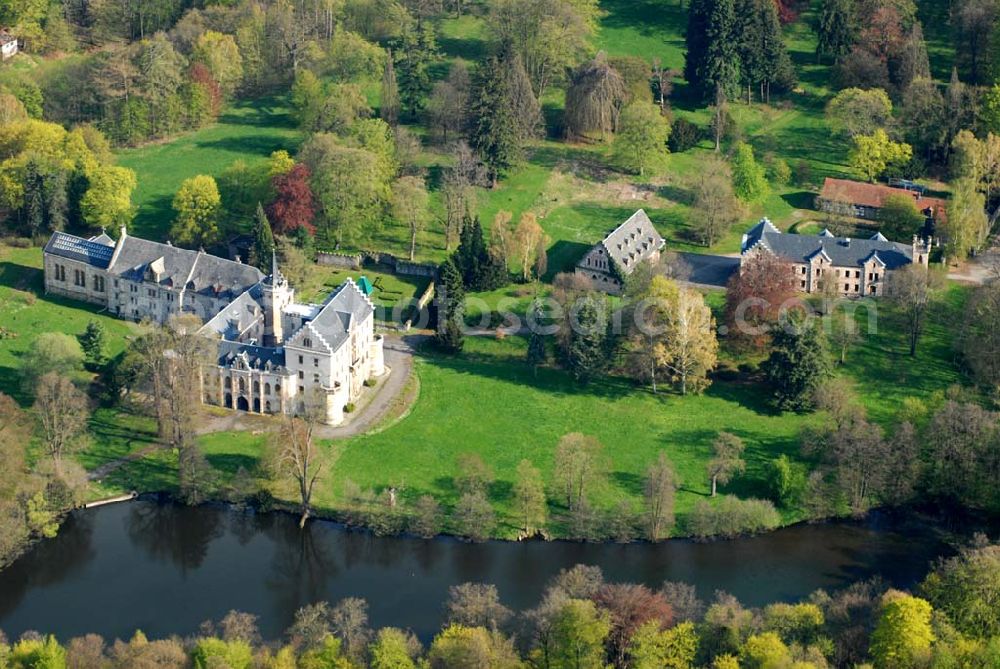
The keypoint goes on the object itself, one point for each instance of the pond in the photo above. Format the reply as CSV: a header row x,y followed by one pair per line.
x,y
165,568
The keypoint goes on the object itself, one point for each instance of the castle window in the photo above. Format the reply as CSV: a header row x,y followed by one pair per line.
x,y
803,283
151,292
315,362
300,359
99,283
302,374
277,388
307,342
243,386
847,287
60,273
256,387
267,406
79,278
315,378
228,383
267,388
302,389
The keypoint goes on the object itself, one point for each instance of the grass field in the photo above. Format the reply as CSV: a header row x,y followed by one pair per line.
x,y
249,131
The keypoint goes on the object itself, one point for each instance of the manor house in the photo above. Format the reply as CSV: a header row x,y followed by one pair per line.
x,y
275,355
855,267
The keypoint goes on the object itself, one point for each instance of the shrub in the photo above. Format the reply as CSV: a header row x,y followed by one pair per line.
x,y
370,383
684,135
778,171
349,407
731,517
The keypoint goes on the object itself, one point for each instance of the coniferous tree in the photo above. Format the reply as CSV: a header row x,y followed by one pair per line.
x,y
416,49
495,133
591,343
835,29
798,364
449,302
480,269
92,343
389,110
263,241
536,341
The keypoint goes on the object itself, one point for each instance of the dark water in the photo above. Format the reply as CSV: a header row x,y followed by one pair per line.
x,y
165,569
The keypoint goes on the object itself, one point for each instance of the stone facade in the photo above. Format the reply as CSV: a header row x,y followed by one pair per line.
x,y
857,267
274,355
616,256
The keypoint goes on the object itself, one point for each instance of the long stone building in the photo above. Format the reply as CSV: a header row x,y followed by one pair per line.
x,y
857,267
275,355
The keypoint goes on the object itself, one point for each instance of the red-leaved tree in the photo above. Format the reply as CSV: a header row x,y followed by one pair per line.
x,y
756,296
294,206
200,76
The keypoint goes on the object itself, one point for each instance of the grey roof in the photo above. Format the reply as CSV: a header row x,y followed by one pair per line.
x,y
103,238
841,251
235,318
198,271
90,251
256,356
332,324
634,240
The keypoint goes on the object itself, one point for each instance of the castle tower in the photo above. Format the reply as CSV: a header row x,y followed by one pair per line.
x,y
277,295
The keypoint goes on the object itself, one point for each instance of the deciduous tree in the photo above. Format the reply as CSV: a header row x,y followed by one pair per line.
x,y
659,490
196,208
641,141
727,459
63,412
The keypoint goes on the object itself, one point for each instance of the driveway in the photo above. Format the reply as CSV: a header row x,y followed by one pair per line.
x,y
979,270
707,270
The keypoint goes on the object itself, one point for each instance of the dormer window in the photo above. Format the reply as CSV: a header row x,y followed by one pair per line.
x,y
307,342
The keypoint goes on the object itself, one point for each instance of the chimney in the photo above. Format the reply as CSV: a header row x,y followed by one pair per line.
x,y
123,232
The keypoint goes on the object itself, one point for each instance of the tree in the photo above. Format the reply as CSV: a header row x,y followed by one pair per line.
x,y
690,348
594,98
458,190
727,459
659,490
579,631
590,344
964,588
715,208
903,635
873,154
537,352
426,521
798,363
652,647
195,476
349,622
967,226
416,49
836,29
529,241
959,464
859,112
389,109
712,60
92,344
756,297
294,207
974,23
979,341
409,207
641,141
262,251
578,467
474,516
529,498
63,413
911,290
295,455
459,647
392,649
50,352
448,107
476,605
108,200
219,53
196,206
650,327
629,607
549,37
749,178
899,219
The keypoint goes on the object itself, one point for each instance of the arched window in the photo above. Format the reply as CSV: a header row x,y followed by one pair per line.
x,y
307,342
243,386
267,406
277,388
256,387
267,388
228,383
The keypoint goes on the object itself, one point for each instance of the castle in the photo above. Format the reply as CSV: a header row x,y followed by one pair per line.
x,y
616,256
275,355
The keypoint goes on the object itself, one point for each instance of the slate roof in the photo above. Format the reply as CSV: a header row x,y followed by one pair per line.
x,y
236,318
90,251
256,356
634,240
196,270
332,325
6,38
841,251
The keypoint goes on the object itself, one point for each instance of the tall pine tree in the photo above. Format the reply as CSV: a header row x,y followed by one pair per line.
x,y
389,109
591,343
836,29
799,363
263,241
503,117
449,302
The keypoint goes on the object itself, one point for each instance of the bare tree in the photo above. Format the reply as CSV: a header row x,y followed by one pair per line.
x,y
912,290
727,461
715,208
529,497
63,413
349,621
295,455
458,190
578,466
476,605
659,491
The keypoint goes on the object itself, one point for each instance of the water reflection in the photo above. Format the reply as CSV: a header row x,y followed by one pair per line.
x,y
166,568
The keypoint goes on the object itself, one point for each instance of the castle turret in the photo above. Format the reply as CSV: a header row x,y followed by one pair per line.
x,y
277,295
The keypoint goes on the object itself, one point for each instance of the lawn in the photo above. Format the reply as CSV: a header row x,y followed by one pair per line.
x,y
248,130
